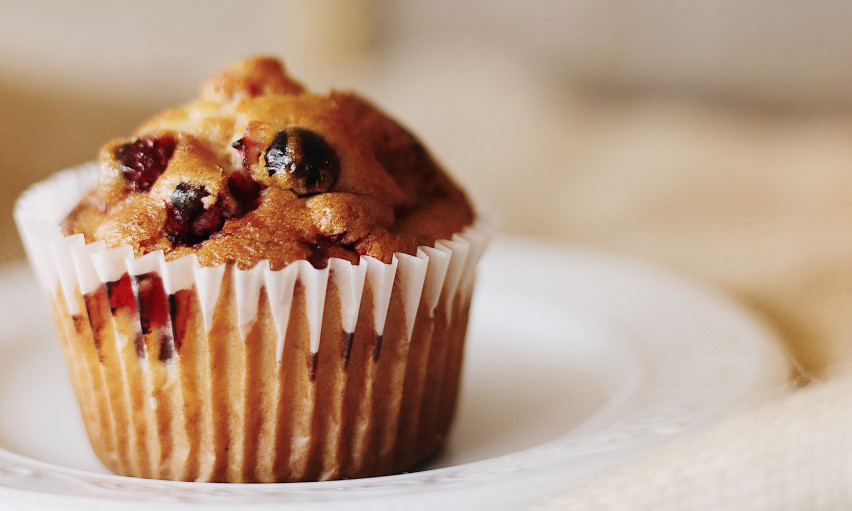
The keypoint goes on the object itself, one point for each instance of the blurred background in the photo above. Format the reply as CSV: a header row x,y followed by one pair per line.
x,y
709,137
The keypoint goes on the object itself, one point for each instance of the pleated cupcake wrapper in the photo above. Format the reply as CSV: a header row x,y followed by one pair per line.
x,y
71,270
69,264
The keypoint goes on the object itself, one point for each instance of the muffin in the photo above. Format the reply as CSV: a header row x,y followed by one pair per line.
x,y
262,285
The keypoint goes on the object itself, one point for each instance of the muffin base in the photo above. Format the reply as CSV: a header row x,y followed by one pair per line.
x,y
183,402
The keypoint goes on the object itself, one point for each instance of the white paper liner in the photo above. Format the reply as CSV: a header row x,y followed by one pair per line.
x,y
66,263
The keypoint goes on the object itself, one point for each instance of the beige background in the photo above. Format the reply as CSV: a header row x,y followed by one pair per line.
x,y
709,137
713,138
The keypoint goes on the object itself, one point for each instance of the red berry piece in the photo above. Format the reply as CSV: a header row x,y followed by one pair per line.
x,y
209,222
302,161
144,160
245,191
120,294
154,312
249,149
249,145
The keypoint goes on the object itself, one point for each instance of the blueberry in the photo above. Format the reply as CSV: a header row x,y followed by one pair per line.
x,y
303,161
187,221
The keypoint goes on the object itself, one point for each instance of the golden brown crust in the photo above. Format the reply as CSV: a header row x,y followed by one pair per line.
x,y
251,77
258,168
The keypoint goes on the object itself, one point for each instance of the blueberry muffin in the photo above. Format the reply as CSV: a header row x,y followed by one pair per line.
x,y
263,285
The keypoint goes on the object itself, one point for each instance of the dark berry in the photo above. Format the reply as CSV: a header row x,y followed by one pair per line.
x,y
302,161
189,222
180,305
183,212
188,198
144,160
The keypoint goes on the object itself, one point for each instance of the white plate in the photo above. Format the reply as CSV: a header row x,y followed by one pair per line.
x,y
578,362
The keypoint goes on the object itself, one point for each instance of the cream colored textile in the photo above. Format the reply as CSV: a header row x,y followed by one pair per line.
x,y
794,453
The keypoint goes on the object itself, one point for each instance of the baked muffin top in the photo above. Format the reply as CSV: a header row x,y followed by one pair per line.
x,y
258,168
